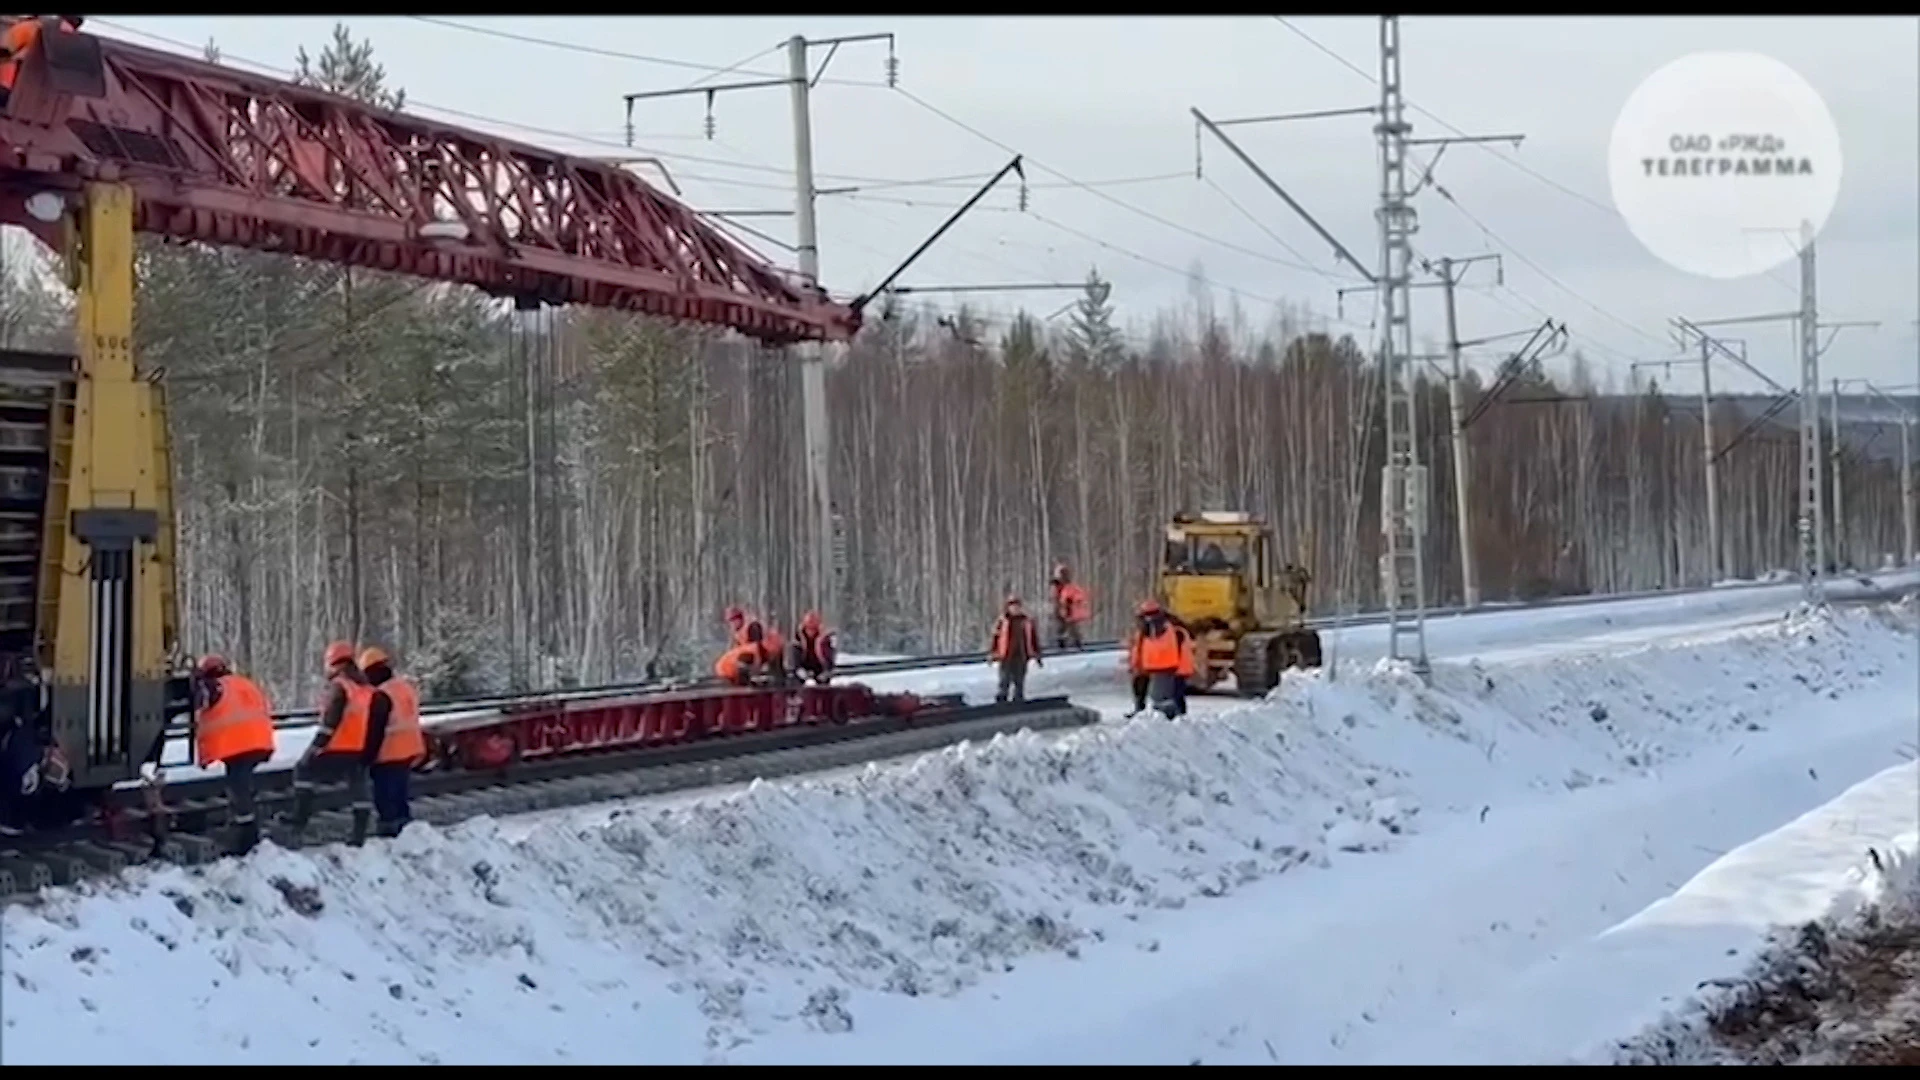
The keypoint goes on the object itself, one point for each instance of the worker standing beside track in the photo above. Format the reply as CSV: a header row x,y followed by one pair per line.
x,y
1159,655
395,743
1015,641
233,726
340,743
1072,609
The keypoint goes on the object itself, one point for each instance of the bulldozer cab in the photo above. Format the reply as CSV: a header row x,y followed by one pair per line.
x,y
1220,569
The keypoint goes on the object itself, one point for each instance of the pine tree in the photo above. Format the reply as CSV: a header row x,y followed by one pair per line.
x,y
346,67
1093,340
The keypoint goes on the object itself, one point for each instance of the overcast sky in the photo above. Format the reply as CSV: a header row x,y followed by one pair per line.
x,y
1104,102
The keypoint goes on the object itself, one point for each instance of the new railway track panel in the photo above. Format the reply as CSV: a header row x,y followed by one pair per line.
x,y
530,759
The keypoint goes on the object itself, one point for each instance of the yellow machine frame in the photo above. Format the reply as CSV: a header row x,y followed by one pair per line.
x,y
1251,619
107,593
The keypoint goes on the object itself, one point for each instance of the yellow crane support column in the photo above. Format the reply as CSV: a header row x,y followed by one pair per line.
x,y
113,631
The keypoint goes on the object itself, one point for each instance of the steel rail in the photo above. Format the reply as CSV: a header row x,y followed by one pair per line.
x,y
196,808
301,719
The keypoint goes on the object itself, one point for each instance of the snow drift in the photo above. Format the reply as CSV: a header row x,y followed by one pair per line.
x,y
815,919
1837,990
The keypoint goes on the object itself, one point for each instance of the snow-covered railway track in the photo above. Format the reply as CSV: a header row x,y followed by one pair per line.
x,y
196,809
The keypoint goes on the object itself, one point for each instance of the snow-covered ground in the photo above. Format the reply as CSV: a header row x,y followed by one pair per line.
x,y
1365,870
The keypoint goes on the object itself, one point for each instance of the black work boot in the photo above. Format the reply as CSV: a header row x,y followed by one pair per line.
x,y
361,818
245,837
302,808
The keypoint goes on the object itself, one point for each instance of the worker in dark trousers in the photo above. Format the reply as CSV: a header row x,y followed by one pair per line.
x,y
395,742
811,653
1016,641
232,727
1155,652
1072,609
339,744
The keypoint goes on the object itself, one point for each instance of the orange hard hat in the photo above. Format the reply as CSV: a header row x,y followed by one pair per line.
x,y
371,655
213,664
340,652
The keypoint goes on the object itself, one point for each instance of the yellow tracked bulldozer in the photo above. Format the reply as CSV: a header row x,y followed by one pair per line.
x,y
1219,576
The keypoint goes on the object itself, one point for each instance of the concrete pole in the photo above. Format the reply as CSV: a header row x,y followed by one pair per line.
x,y
1839,512
1706,455
813,364
1906,489
1813,533
1456,411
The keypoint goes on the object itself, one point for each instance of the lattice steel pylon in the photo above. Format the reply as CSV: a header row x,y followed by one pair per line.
x,y
1403,480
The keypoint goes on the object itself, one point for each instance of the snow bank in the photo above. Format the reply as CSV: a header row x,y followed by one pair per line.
x,y
881,916
1645,972
1837,990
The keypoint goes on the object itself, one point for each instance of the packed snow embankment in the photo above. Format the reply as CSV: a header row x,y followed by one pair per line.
x,y
999,902
1843,989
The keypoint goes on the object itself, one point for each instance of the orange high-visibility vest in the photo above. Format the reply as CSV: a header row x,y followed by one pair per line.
x,y
241,722
19,38
404,742
351,736
1160,653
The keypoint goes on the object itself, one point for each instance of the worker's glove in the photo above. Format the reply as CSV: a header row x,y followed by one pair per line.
x,y
55,772
150,773
30,780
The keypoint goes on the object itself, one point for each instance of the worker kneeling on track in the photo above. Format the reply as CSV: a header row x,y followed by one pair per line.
x,y
773,647
1160,659
395,741
746,660
812,651
233,726
339,747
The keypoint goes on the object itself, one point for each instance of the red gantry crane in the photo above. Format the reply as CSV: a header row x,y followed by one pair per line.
x,y
100,140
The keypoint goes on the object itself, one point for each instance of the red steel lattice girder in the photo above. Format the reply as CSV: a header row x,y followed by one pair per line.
x,y
229,158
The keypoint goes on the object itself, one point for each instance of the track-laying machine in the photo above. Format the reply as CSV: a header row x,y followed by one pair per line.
x,y
100,140
1219,575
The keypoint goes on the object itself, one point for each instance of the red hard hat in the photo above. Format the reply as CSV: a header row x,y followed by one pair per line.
x,y
735,613
340,652
1149,606
811,620
213,664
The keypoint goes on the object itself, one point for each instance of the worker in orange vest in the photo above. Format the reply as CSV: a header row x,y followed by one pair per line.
x,y
812,650
773,647
339,745
1015,642
19,39
232,726
395,741
1158,652
1072,609
745,660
